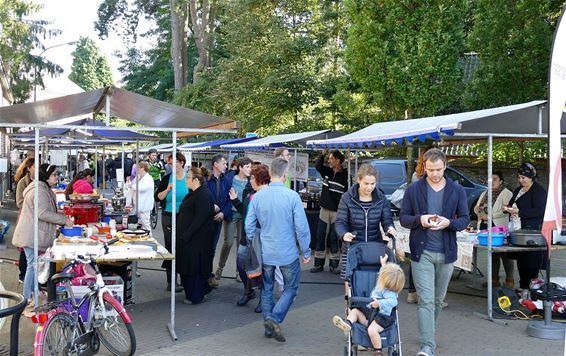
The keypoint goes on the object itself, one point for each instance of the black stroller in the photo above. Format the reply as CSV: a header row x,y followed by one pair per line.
x,y
362,268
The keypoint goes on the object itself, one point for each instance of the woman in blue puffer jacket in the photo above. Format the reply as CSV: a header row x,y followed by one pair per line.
x,y
361,212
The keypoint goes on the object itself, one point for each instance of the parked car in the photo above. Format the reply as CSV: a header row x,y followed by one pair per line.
x,y
393,174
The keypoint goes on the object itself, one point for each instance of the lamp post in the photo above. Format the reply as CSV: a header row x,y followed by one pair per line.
x,y
35,66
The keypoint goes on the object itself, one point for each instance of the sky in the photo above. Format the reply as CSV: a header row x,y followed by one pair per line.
x,y
76,19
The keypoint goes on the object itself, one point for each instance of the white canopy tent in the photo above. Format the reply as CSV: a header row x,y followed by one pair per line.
x,y
153,114
280,140
527,120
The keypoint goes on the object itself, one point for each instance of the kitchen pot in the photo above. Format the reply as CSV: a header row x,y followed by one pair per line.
x,y
527,238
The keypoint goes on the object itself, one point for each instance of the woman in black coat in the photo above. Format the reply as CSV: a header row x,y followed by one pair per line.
x,y
361,211
528,203
195,236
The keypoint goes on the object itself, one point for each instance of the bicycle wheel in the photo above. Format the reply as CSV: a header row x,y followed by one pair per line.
x,y
115,333
153,218
56,336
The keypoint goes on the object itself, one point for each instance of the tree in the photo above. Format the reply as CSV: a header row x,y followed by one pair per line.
x,y
405,54
90,69
19,36
513,42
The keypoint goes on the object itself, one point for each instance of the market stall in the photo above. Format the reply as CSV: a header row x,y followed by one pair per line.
x,y
524,121
151,114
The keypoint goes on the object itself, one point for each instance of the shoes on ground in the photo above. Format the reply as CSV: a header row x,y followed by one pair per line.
x,y
444,304
244,299
178,288
212,283
317,269
273,327
335,270
345,326
28,310
218,274
425,351
412,298
238,277
258,308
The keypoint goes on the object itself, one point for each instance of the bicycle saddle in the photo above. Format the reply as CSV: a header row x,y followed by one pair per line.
x,y
62,277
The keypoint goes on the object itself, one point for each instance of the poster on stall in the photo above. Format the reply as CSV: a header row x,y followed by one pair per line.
x,y
300,171
3,165
119,175
58,157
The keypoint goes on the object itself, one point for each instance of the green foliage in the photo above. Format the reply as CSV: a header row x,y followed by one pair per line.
x,y
405,53
90,69
513,40
19,36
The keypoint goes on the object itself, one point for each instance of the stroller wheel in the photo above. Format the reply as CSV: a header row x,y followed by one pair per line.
x,y
353,353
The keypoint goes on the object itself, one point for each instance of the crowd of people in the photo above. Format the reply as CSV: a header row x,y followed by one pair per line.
x,y
251,204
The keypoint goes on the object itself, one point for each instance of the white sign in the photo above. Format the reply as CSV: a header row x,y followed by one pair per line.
x,y
119,174
300,170
3,165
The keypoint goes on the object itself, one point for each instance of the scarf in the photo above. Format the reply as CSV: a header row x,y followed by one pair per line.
x,y
495,195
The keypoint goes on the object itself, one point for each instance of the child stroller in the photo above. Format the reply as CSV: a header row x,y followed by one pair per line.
x,y
362,268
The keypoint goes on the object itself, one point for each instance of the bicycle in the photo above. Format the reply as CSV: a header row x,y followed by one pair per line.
x,y
153,217
62,330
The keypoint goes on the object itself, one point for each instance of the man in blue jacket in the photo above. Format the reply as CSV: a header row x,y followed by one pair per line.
x,y
219,185
434,208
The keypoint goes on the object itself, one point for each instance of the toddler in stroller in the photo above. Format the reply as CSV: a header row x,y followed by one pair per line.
x,y
372,315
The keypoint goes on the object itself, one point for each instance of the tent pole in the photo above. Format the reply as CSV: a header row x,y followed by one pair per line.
x,y
123,167
489,231
295,173
349,169
107,97
356,163
36,219
137,176
171,325
95,167
103,167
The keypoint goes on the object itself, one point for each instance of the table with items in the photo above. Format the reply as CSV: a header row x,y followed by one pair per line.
x,y
97,222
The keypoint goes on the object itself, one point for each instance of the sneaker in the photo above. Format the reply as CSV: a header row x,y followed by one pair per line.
x,y
258,309
335,270
238,278
317,269
444,305
243,300
272,325
345,326
425,351
268,332
212,283
218,273
412,298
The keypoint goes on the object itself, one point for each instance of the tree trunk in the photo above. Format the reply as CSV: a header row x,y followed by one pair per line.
x,y
202,21
5,83
179,44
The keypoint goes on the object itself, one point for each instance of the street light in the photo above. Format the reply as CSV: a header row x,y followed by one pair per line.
x,y
35,66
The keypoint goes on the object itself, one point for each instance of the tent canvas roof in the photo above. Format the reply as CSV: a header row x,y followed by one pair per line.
x,y
202,146
519,119
130,106
281,140
86,133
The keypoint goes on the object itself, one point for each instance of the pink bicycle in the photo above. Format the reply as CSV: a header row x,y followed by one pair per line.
x,y
68,327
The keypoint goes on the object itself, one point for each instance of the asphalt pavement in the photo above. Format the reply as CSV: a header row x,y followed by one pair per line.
x,y
220,327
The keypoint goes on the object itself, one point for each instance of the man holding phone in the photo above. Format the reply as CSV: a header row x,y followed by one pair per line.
x,y
434,208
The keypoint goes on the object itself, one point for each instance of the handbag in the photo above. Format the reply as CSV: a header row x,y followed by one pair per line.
x,y
43,267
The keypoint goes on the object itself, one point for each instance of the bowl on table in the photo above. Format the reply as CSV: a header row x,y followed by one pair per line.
x,y
497,239
72,231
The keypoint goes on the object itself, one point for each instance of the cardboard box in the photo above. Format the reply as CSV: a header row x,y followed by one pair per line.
x,y
113,283
124,270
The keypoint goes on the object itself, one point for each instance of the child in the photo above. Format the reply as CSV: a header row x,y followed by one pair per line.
x,y
389,283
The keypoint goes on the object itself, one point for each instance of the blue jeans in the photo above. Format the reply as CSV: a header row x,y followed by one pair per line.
x,y
241,264
431,276
30,273
291,276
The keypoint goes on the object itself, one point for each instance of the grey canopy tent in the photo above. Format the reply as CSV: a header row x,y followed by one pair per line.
x,y
152,114
526,120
